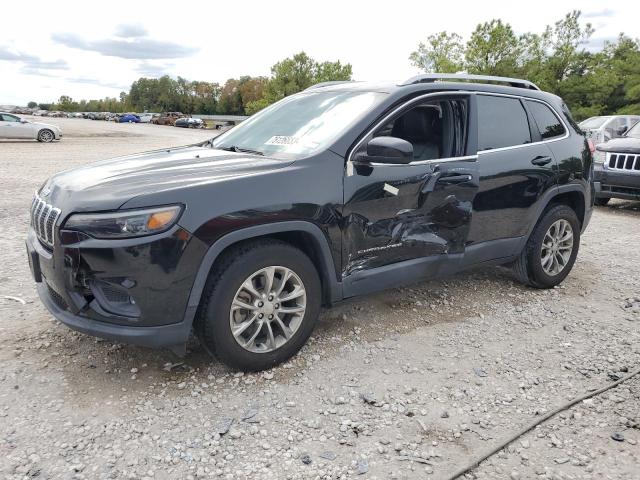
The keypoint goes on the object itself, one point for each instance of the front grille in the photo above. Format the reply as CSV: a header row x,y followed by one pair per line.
x,y
43,220
628,162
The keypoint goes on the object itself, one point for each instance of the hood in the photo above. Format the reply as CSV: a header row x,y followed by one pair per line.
x,y
621,145
108,184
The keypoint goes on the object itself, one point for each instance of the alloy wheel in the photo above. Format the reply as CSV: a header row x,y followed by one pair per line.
x,y
557,247
46,136
268,309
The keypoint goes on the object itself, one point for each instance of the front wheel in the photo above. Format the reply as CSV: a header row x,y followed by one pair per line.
x,y
260,305
551,250
45,136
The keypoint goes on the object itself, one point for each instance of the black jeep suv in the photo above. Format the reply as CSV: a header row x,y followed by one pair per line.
x,y
617,168
338,191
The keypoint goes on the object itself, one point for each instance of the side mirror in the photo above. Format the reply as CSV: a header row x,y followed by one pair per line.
x,y
388,150
24,121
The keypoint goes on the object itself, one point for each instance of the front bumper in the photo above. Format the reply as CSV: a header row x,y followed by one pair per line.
x,y
172,336
616,184
130,290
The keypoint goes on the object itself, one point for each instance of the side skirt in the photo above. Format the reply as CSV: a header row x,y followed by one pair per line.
x,y
491,253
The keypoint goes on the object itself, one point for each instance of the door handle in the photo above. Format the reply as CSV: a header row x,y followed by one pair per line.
x,y
541,160
455,179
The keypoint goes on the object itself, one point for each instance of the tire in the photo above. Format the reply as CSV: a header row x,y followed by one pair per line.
x,y
46,136
529,268
226,285
602,202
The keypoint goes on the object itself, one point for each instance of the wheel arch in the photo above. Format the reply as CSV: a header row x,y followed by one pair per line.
x,y
304,235
571,195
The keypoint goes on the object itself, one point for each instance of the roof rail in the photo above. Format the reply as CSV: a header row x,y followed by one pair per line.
x,y
327,84
436,77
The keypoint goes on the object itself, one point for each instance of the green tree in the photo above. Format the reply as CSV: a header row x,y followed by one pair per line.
x,y
294,74
32,104
443,53
493,49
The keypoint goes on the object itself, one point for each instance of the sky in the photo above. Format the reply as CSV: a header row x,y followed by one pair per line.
x,y
87,49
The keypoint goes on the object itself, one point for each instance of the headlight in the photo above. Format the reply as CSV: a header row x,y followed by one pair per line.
x,y
599,157
125,224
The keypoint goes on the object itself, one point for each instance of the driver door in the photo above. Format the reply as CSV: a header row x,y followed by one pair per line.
x,y
404,222
12,127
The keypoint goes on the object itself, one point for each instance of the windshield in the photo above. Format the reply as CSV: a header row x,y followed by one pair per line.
x,y
634,131
593,123
299,125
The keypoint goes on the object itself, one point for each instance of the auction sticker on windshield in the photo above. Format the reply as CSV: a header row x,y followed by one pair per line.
x,y
282,140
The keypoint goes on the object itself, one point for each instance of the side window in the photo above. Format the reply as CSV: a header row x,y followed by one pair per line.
x,y
548,123
436,129
502,122
9,118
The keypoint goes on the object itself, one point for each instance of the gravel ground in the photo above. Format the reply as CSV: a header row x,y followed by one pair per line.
x,y
410,383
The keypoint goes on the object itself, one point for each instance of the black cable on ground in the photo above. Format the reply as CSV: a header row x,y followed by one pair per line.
x,y
533,425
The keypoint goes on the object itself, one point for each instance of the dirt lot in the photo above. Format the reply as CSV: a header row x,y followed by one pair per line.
x,y
446,368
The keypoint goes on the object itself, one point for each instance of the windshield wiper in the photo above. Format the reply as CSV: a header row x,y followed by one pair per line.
x,y
234,148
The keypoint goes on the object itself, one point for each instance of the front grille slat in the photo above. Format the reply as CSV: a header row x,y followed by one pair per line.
x,y
624,162
43,220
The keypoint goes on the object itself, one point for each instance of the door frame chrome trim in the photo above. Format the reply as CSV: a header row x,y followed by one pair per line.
x,y
417,99
467,158
444,93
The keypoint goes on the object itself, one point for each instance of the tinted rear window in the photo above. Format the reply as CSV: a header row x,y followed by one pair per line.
x,y
502,122
549,124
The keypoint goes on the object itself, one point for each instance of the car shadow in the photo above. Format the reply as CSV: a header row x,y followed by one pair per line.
x,y
365,319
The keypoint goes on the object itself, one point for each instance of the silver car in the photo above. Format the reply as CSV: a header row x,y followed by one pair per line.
x,y
604,128
12,126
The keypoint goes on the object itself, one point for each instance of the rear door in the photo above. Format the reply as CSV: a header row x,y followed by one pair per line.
x,y
413,212
516,167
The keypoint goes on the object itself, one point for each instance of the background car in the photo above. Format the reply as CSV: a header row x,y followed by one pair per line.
x,y
225,126
12,126
617,168
188,122
129,118
604,128
145,117
168,118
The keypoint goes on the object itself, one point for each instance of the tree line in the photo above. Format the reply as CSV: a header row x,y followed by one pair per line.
x,y
600,82
592,83
237,96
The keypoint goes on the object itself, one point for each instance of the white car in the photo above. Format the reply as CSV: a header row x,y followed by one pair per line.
x,y
12,126
145,117
604,128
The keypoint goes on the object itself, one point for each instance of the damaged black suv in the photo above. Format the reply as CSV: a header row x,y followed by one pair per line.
x,y
338,191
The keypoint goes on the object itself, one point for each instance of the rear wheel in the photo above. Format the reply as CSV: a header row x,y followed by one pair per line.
x,y
551,250
45,136
260,305
601,202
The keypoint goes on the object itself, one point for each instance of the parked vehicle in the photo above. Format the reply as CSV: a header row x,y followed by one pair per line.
x,y
12,126
225,126
145,117
335,192
604,128
188,122
168,118
129,118
617,168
